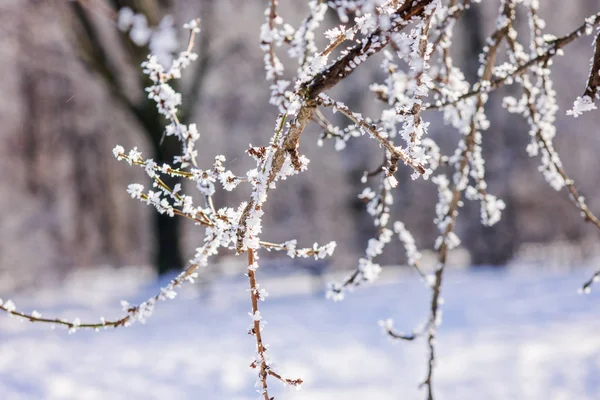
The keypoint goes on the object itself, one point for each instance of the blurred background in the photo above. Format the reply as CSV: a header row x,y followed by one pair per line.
x,y
72,89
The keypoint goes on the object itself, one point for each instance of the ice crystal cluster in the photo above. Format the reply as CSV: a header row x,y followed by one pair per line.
x,y
411,40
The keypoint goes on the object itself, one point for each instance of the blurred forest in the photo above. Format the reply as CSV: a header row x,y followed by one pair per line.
x,y
72,90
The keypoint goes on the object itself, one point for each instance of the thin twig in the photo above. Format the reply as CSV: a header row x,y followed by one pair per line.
x,y
395,151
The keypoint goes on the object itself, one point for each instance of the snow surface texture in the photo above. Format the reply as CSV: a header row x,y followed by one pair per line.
x,y
506,335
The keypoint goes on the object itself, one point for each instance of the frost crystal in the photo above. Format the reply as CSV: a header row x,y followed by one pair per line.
x,y
581,105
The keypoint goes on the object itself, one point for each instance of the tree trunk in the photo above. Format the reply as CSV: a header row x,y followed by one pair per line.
x,y
167,254
167,250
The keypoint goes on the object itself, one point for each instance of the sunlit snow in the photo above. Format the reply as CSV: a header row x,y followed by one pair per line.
x,y
505,335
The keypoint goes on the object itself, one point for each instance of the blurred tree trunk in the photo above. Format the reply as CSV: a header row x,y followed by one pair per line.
x,y
100,57
473,42
167,253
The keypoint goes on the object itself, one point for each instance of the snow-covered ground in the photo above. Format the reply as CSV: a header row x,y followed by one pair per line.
x,y
506,335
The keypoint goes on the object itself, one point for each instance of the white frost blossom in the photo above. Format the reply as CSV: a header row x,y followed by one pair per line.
x,y
581,105
193,25
140,32
387,325
162,40
334,292
412,253
117,151
370,271
125,19
135,190
10,306
255,316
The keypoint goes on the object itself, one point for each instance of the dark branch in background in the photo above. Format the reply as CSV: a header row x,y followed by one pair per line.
x,y
95,56
93,53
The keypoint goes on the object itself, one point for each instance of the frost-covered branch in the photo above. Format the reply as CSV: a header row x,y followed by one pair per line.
x,y
413,40
586,102
552,48
133,313
396,152
591,89
539,107
450,195
262,361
